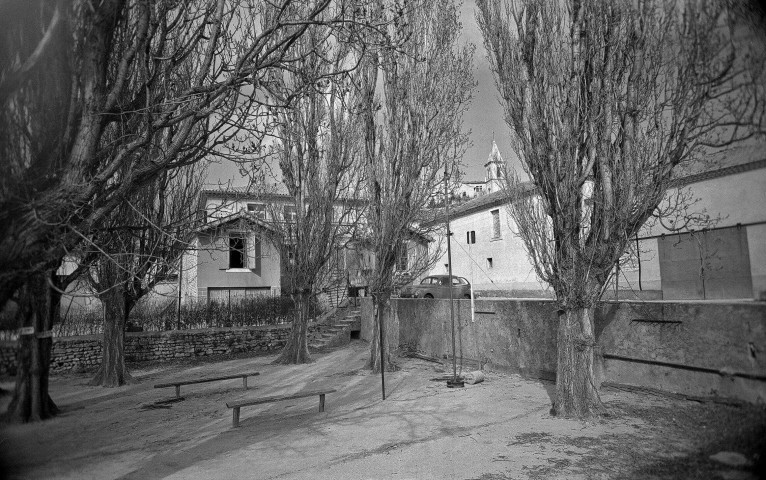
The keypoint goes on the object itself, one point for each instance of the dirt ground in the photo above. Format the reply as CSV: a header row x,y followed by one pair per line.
x,y
498,429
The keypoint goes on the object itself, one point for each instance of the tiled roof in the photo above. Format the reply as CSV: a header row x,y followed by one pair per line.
x,y
721,172
499,198
243,193
240,215
481,203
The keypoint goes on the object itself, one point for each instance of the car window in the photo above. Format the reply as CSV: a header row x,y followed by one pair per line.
x,y
426,281
459,281
445,281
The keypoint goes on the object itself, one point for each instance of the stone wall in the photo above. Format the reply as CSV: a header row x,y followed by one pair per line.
x,y
73,353
695,348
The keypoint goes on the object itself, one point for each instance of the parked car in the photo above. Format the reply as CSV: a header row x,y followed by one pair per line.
x,y
437,286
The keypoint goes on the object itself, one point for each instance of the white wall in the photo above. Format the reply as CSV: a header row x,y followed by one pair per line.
x,y
511,269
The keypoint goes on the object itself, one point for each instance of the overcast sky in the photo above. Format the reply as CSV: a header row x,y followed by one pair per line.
x,y
484,117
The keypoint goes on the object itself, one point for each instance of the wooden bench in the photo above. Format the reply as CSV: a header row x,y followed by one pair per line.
x,y
276,398
178,384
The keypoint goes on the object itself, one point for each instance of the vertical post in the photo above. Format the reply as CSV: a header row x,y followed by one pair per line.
x,y
321,402
382,359
449,280
235,417
178,312
470,262
178,391
244,381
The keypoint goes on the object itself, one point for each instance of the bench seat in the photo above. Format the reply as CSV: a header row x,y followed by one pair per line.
x,y
178,383
236,405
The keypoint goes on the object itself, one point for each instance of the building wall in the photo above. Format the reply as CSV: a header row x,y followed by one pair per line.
x,y
511,269
694,348
213,271
734,199
189,272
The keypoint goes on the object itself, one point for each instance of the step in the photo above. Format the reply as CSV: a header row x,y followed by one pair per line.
x,y
332,330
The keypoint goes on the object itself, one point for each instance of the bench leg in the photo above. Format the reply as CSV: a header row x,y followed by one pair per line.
x,y
244,382
235,417
178,391
321,402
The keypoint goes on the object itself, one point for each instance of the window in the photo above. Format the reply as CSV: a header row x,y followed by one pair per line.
x,y
237,252
257,209
495,224
470,237
290,213
401,260
489,263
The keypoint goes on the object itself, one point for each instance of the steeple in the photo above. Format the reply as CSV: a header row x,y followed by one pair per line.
x,y
494,169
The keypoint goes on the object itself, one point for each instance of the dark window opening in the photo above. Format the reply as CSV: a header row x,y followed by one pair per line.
x,y
237,255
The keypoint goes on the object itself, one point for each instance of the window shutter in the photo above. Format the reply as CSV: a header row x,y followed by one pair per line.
x,y
257,255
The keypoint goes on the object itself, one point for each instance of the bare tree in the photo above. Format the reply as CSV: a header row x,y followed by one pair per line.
x,y
605,100
139,249
412,134
86,90
317,147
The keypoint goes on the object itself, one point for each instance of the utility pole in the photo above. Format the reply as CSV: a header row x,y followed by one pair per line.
x,y
454,383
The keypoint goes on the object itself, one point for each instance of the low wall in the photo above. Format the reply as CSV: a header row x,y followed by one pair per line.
x,y
72,353
695,348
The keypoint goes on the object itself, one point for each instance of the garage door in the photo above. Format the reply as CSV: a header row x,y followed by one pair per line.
x,y
714,264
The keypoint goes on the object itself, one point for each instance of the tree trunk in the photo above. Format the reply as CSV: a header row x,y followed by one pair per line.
x,y
296,350
576,388
381,307
112,372
31,401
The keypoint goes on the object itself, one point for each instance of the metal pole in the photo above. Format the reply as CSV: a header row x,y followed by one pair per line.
x,y
470,262
454,382
178,312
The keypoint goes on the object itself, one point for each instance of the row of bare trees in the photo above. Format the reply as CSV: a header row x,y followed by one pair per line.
x,y
108,106
364,121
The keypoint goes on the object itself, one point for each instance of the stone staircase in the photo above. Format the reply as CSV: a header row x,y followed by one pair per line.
x,y
336,331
